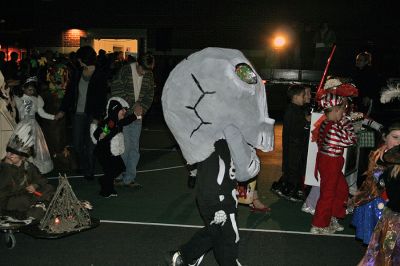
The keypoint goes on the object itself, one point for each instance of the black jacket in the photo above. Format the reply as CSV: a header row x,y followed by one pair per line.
x,y
96,96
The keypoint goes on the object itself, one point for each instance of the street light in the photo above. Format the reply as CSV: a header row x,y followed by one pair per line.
x,y
279,42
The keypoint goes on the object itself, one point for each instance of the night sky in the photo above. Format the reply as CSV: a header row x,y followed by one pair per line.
x,y
364,15
357,23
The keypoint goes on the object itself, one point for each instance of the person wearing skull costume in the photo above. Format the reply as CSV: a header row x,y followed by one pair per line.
x,y
215,105
110,143
24,192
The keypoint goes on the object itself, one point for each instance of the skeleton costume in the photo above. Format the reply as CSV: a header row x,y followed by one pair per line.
x,y
215,105
28,106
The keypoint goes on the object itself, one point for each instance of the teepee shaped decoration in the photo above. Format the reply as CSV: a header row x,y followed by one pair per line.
x,y
65,213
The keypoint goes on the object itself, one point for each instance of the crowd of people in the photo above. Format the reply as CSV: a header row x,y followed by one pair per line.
x,y
106,101
374,203
49,93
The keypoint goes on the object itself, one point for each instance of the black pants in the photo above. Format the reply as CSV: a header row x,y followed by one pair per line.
x,y
294,169
214,189
112,166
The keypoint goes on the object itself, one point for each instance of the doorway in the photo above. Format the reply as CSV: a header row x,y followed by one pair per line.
x,y
128,46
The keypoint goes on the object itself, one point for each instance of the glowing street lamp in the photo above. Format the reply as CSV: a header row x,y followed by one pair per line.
x,y
279,42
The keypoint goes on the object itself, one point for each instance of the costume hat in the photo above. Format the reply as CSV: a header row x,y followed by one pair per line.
x,y
330,100
21,141
337,87
114,105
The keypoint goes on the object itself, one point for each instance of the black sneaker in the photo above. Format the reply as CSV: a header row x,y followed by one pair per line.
x,y
108,195
293,196
174,258
277,188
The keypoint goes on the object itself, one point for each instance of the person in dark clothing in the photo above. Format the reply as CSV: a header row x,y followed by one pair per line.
x,y
324,39
85,97
307,47
11,68
220,232
294,141
369,84
110,143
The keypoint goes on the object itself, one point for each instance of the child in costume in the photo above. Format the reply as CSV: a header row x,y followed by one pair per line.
x,y
28,105
335,133
369,199
23,190
294,140
335,86
384,247
110,143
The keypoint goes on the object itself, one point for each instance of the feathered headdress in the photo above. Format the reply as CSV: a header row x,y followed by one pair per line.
x,y
21,141
392,92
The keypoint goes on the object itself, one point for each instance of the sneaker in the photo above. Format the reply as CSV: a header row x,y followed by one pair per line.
x,y
336,225
276,188
292,196
108,195
118,182
322,230
174,258
307,209
133,185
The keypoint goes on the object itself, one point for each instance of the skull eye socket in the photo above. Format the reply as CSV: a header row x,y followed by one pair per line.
x,y
246,73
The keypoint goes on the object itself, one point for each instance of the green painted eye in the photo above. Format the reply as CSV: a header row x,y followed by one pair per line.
x,y
246,73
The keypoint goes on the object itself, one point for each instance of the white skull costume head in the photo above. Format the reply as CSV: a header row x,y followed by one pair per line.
x,y
210,91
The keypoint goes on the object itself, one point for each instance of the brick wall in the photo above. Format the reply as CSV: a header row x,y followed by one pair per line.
x,y
71,38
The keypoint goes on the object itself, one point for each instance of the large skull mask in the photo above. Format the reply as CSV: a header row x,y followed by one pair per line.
x,y
209,91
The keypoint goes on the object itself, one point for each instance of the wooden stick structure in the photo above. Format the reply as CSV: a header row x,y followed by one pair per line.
x,y
65,213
